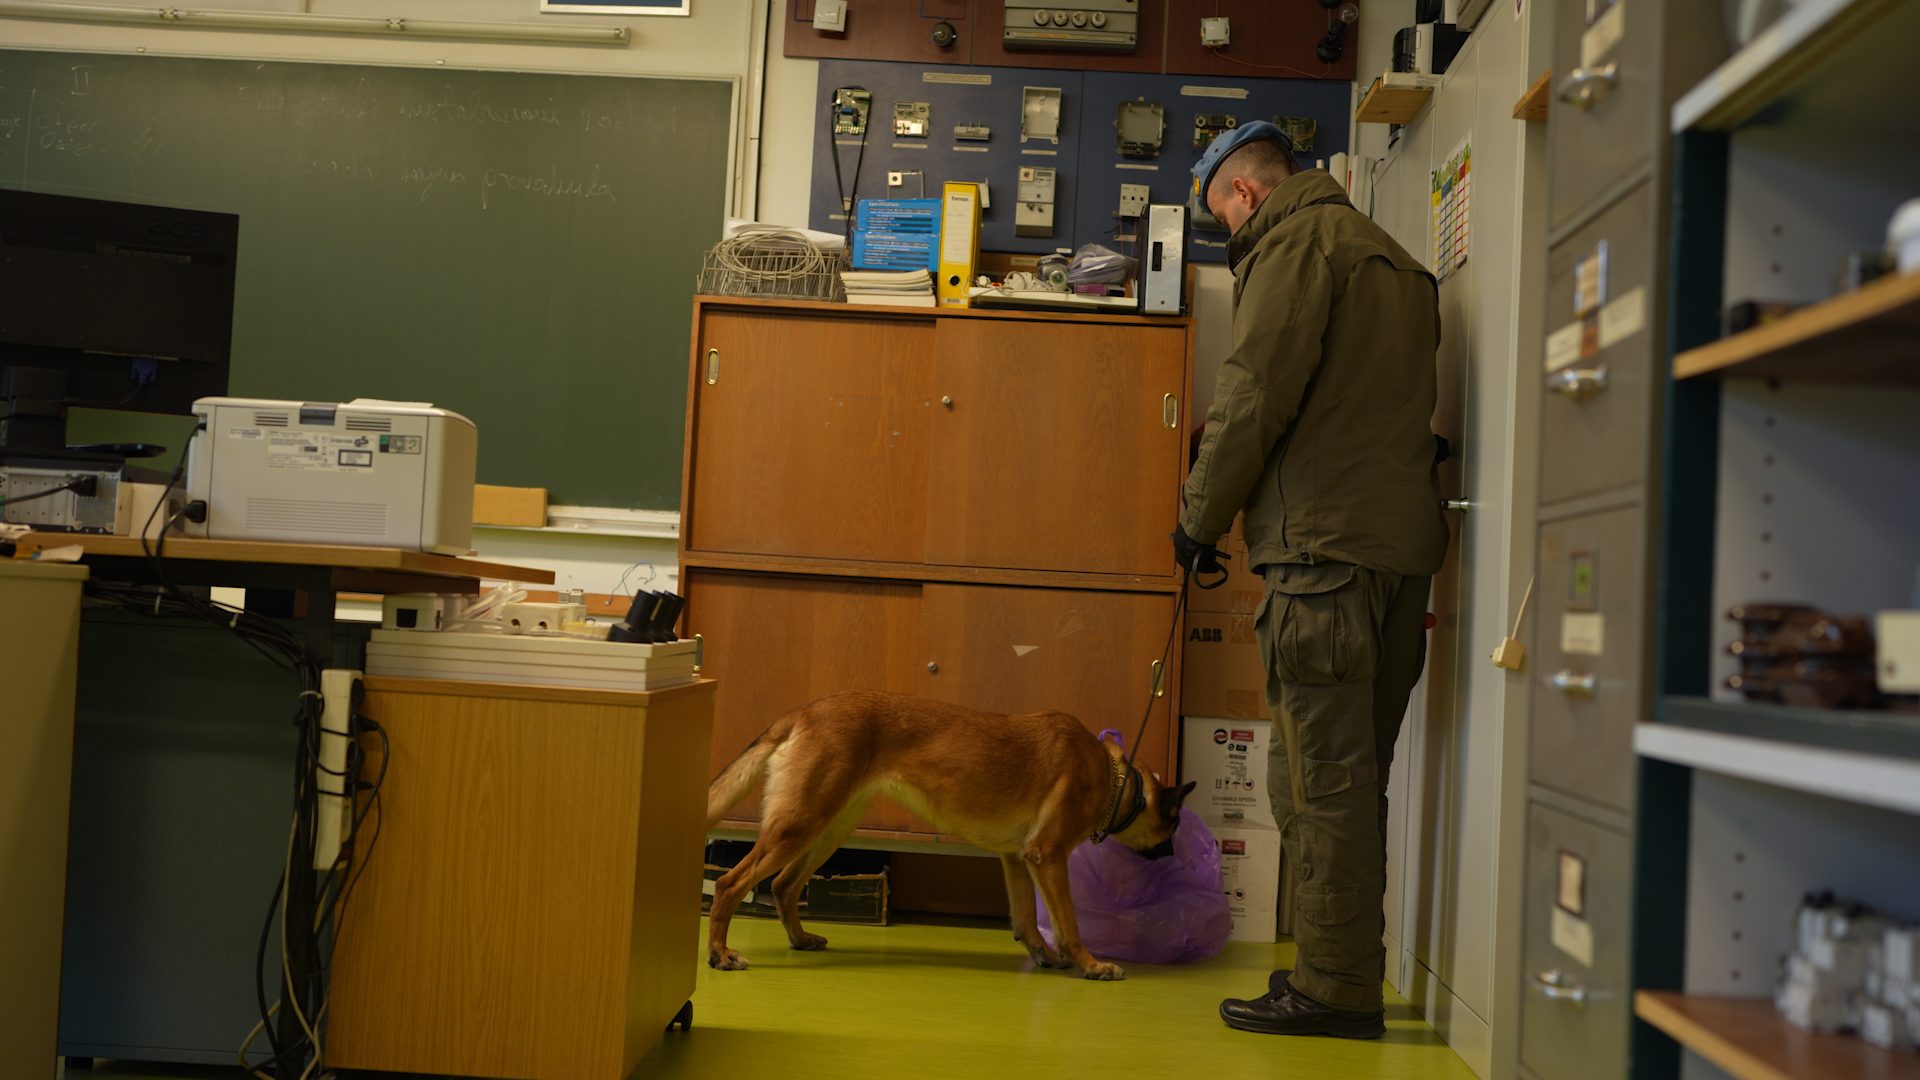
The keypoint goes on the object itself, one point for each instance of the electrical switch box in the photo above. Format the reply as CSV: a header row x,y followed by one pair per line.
x,y
1040,113
912,119
1034,216
1133,200
1216,32
830,16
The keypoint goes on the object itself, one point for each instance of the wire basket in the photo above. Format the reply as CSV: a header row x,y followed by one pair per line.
x,y
773,263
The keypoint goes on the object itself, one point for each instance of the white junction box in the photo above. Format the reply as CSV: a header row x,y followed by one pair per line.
x,y
369,473
1250,876
1227,761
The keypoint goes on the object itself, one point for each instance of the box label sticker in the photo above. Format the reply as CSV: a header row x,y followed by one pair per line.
x,y
1574,936
1623,318
1590,281
1563,345
1583,634
1572,884
1603,35
318,451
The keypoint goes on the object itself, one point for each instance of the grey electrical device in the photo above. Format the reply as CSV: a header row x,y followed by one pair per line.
x,y
1139,127
912,119
1034,214
1088,25
1040,113
1163,259
972,132
1133,200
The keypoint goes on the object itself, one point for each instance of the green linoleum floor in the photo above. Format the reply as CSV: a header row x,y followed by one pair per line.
x,y
922,1001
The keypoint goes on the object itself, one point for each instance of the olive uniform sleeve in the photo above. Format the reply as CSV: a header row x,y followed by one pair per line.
x,y
1279,320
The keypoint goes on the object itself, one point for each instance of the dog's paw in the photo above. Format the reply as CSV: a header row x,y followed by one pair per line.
x,y
1103,971
1048,958
807,943
726,960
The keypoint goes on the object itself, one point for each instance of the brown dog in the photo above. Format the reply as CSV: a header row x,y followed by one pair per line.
x,y
1028,787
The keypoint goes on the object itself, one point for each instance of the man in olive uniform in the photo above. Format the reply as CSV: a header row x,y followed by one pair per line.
x,y
1320,432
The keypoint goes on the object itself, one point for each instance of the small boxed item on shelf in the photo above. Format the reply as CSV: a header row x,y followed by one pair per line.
x,y
1795,655
1852,969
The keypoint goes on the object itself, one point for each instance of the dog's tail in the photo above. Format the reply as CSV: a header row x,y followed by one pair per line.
x,y
745,775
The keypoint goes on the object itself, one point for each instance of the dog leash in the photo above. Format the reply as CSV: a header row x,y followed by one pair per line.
x,y
1189,575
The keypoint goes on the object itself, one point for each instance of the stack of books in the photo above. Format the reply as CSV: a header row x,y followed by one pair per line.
x,y
897,288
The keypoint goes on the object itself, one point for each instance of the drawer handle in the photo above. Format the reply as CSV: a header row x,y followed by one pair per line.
x,y
699,653
1574,684
1578,383
1170,412
713,366
1559,986
1158,681
1582,88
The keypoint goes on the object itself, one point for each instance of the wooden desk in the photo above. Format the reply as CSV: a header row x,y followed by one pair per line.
x,y
532,907
110,1009
39,652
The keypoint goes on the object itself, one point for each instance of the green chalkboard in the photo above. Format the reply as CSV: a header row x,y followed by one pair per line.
x,y
518,247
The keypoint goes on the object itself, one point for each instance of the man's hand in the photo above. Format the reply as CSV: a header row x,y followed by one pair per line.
x,y
1193,556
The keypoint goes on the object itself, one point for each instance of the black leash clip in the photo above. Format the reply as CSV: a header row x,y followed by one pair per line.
x,y
1208,562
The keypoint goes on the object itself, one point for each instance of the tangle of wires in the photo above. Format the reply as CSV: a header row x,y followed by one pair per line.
x,y
305,938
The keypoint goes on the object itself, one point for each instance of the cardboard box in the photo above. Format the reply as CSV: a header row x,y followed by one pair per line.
x,y
1222,674
494,505
1227,758
1250,876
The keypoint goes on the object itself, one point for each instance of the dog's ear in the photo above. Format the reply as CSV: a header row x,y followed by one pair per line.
x,y
1171,798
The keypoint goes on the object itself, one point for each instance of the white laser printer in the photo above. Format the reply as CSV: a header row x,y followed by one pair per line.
x,y
364,473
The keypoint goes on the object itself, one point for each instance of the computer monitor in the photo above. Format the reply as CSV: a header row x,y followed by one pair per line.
x,y
108,305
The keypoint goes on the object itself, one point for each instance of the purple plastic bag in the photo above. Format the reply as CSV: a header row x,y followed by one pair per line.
x,y
1151,911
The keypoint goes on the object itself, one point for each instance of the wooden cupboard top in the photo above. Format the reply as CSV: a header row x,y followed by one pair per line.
x,y
261,552
695,559
870,311
563,695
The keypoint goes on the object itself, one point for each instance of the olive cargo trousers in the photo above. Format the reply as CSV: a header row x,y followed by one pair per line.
x,y
1343,647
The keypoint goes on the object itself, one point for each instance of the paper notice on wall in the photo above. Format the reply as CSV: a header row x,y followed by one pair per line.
x,y
1452,184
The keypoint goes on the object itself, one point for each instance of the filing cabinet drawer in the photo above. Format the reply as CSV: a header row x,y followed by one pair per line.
x,y
1600,302
1574,1010
1588,650
1606,56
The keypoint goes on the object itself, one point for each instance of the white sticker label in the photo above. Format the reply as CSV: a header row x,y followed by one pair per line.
x,y
1583,635
1573,884
1623,318
1573,936
1603,35
953,79
1563,346
244,433
319,451
1232,93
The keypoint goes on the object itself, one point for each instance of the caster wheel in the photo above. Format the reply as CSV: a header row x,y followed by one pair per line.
x,y
682,1019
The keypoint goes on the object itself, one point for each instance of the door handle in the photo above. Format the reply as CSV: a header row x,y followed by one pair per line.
x,y
699,653
1170,412
1574,684
1456,504
1557,985
1157,682
1583,87
947,400
713,366
1578,384
933,667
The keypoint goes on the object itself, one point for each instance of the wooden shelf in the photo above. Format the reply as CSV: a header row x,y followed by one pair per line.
x,y
1865,336
1749,1039
1868,779
1393,102
1532,105
343,557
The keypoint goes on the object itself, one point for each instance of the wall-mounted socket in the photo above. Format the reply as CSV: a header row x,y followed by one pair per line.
x,y
1216,31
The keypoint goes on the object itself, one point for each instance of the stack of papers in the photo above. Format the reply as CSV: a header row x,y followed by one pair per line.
x,y
899,288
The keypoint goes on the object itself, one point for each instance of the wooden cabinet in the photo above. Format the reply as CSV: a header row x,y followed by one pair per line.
x,y
1056,445
969,506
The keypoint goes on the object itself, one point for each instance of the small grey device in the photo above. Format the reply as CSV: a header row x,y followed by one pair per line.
x,y
1163,260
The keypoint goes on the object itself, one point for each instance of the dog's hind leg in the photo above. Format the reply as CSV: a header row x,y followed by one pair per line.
x,y
1026,922
787,831
793,880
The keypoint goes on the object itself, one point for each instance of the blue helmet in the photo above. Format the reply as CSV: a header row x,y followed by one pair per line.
x,y
1226,143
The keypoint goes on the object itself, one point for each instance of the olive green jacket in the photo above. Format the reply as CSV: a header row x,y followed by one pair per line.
x,y
1321,421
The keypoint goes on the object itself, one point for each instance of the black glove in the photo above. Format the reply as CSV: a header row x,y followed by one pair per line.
x,y
1193,556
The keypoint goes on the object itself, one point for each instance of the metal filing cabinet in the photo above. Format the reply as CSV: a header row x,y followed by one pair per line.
x,y
1618,66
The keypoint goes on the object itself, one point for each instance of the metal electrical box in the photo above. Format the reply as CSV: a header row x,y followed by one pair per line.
x,y
1092,25
1034,214
1162,265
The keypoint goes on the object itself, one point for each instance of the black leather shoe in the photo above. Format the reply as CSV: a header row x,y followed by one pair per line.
x,y
1293,1013
1277,982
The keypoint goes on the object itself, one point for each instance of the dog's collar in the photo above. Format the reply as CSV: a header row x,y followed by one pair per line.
x,y
1122,773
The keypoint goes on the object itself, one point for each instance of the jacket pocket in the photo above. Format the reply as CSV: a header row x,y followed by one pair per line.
x,y
1320,613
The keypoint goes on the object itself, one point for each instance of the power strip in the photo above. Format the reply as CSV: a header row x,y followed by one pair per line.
x,y
334,814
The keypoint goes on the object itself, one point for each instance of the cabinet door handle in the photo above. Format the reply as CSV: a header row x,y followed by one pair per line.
x,y
699,653
1559,986
947,400
1170,412
1157,681
1574,684
1578,383
933,667
1583,87
713,366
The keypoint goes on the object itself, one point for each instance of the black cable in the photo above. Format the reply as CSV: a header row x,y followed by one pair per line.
x,y
848,201
50,492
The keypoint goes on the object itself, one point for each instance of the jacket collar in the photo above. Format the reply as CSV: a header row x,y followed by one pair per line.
x,y
1295,193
